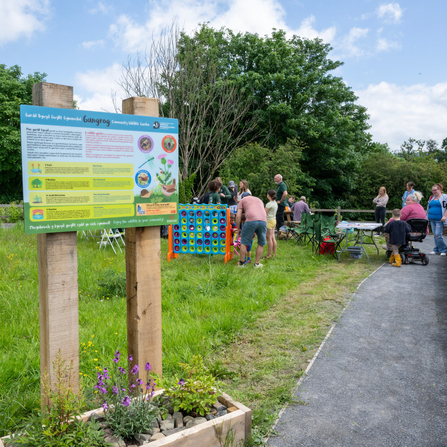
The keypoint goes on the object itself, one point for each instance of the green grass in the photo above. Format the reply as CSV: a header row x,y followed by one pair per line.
x,y
254,328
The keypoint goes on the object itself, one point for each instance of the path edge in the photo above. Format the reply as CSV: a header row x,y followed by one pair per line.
x,y
309,366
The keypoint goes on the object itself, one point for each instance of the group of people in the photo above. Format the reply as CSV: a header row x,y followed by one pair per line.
x,y
397,228
253,218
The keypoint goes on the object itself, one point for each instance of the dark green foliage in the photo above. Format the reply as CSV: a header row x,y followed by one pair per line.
x,y
393,172
15,89
259,165
297,97
186,189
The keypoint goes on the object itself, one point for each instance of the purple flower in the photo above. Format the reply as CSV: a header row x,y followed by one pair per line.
x,y
126,401
147,397
135,369
148,386
115,390
152,393
170,162
181,382
130,358
105,406
148,366
117,354
122,370
103,390
139,381
132,386
161,156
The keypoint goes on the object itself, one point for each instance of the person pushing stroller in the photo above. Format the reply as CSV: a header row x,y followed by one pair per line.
x,y
398,230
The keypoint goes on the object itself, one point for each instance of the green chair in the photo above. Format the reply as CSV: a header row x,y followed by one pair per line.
x,y
305,229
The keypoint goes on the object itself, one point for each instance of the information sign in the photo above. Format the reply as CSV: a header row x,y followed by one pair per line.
x,y
87,170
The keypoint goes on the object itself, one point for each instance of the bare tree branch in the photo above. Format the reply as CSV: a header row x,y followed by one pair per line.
x,y
214,116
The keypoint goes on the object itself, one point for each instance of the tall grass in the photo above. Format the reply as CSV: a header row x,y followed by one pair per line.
x,y
207,307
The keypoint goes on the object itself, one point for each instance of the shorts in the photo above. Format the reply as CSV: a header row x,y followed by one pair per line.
x,y
271,224
258,227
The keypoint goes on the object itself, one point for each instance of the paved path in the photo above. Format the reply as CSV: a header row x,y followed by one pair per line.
x,y
380,378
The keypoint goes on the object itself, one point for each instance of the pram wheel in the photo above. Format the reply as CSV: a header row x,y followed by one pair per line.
x,y
424,260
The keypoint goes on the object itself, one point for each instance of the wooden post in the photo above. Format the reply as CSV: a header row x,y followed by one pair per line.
x,y
143,276
58,271
339,213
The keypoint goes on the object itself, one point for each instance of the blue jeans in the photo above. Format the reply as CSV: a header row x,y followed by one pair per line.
x,y
437,227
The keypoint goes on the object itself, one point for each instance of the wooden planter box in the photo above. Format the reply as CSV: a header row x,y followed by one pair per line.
x,y
238,419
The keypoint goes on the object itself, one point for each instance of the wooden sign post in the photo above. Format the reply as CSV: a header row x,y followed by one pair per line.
x,y
143,276
58,271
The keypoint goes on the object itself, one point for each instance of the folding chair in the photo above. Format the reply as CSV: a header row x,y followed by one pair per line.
x,y
109,237
328,240
305,229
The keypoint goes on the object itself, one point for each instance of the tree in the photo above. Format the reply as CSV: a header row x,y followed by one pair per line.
x,y
258,165
296,95
15,89
213,114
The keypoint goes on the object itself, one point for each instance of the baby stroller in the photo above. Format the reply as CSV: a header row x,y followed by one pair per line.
x,y
418,233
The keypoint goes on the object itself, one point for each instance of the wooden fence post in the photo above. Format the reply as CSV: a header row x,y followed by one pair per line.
x,y
143,276
58,271
338,213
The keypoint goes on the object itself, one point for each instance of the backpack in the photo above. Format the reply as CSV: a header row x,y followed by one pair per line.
x,y
205,198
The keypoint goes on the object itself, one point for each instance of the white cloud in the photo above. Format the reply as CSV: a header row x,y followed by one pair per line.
x,y
398,112
391,13
101,84
101,7
255,16
386,45
93,44
348,45
307,30
22,18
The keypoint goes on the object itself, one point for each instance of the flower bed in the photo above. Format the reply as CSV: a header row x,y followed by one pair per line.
x,y
234,422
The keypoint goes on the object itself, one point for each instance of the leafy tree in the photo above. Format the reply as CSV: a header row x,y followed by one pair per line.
x,y
15,89
258,165
393,172
296,96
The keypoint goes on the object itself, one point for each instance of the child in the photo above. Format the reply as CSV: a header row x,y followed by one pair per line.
x,y
248,254
398,230
214,197
270,209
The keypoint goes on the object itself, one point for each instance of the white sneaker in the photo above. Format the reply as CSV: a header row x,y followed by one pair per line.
x,y
258,266
443,254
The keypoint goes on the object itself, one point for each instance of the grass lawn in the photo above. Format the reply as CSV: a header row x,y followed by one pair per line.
x,y
256,329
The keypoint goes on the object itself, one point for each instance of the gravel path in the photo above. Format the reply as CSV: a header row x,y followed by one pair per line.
x,y
380,378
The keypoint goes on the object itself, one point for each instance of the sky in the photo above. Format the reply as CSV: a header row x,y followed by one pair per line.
x,y
394,53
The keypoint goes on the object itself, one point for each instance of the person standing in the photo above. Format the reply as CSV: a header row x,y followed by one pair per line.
x,y
213,197
255,223
380,212
437,215
233,191
270,210
299,208
243,187
281,200
224,192
410,190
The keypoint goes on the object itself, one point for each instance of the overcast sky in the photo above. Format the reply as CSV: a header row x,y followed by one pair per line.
x,y
394,53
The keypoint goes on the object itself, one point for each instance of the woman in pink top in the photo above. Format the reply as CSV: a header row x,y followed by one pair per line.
x,y
413,209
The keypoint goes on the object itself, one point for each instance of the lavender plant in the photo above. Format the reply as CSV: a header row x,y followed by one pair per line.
x,y
126,402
